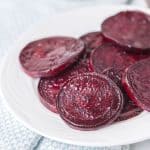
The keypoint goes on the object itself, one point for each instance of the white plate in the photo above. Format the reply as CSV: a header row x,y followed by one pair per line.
x,y
20,91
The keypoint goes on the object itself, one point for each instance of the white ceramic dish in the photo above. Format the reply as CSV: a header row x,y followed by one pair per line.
x,y
20,92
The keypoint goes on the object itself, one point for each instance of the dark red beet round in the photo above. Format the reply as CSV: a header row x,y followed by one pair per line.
x,y
130,109
89,101
48,93
50,56
49,88
93,40
136,81
110,58
130,29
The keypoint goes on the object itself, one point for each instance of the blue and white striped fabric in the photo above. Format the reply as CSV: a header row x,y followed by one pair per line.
x,y
17,16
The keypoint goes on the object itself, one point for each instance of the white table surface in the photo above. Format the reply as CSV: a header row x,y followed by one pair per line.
x,y
16,16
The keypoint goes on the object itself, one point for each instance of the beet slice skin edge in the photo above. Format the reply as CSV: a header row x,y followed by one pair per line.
x,y
50,56
89,101
136,81
93,40
112,60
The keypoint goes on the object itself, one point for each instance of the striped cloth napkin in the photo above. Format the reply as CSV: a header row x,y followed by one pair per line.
x,y
17,16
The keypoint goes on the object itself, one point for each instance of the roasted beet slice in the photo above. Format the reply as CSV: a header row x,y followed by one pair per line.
x,y
136,81
129,109
93,40
49,88
112,59
50,56
48,93
89,100
130,29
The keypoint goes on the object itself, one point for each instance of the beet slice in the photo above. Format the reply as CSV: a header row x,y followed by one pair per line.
x,y
130,29
93,40
111,60
89,100
136,81
50,56
49,88
130,109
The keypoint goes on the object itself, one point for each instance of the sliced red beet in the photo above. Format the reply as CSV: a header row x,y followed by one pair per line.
x,y
93,40
136,81
130,29
49,88
89,101
111,60
130,109
50,56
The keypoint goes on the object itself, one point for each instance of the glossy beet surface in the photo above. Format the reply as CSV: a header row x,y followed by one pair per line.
x,y
130,29
49,88
50,56
93,40
136,81
89,101
111,60
130,109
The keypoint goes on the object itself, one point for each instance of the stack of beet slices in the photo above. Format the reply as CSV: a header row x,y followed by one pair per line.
x,y
97,79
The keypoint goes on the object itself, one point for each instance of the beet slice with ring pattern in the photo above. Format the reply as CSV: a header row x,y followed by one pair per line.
x,y
111,60
89,101
48,88
136,81
130,109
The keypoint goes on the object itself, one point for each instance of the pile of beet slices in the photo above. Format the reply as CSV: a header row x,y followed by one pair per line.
x,y
95,80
